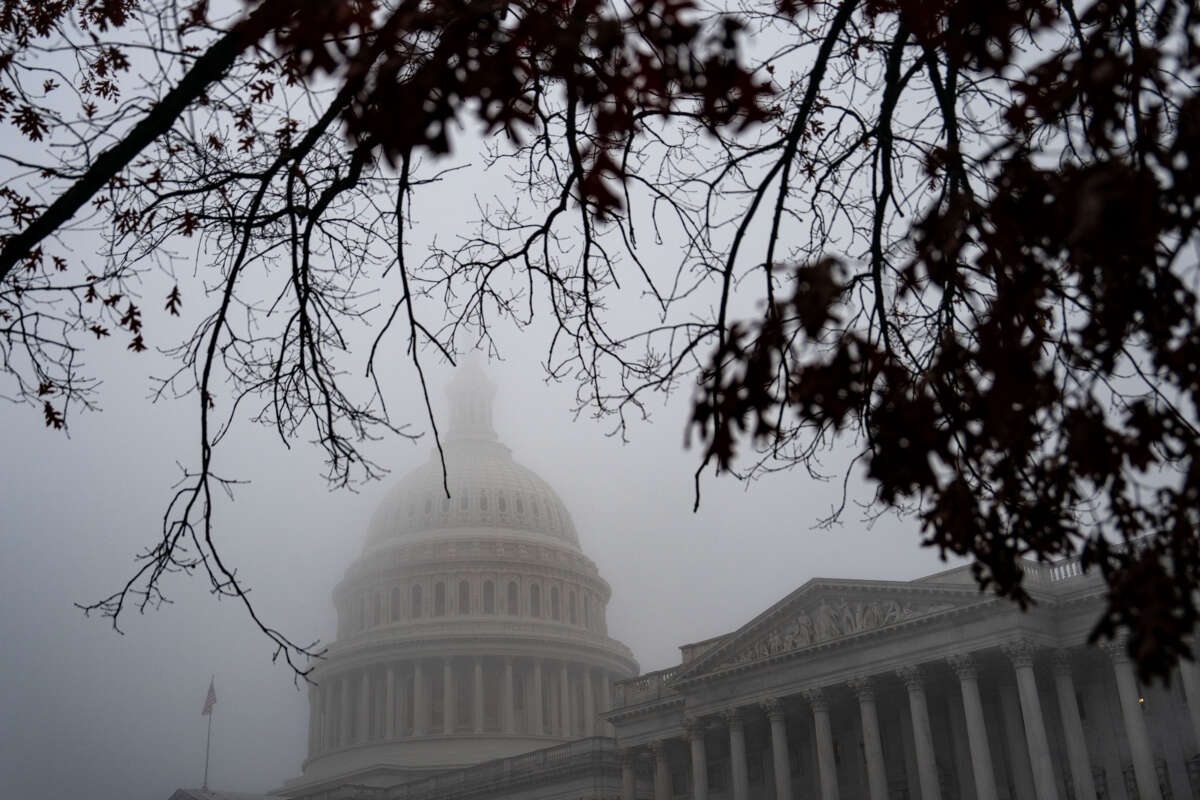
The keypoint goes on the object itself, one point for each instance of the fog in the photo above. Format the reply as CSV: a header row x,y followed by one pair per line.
x,y
92,713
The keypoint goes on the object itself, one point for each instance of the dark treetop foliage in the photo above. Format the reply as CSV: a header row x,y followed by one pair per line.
x,y
959,235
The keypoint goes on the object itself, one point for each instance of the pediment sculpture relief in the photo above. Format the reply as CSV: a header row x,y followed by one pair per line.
x,y
832,619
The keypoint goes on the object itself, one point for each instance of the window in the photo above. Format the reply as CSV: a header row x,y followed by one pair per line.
x,y
416,601
500,503
586,614
360,619
396,601
439,599
445,504
554,602
483,501
377,610
464,501
513,605
520,506
464,598
535,601
489,597
571,608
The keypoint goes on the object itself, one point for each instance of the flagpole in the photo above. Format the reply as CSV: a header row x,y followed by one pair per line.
x,y
209,703
207,743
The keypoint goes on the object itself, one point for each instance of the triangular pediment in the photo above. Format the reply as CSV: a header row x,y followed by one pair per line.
x,y
825,611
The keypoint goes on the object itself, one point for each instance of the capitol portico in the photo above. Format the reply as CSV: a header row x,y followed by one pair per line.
x,y
922,689
473,661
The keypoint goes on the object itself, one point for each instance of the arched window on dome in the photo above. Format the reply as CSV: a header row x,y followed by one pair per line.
x,y
464,501
501,503
586,610
513,601
397,601
377,610
535,601
533,503
483,503
554,609
571,608
489,597
416,601
445,505
520,505
464,597
439,599
360,617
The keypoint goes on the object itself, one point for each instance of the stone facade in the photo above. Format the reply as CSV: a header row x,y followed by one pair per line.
x,y
924,689
473,661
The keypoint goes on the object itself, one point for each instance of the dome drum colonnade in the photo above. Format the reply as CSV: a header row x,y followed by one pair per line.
x,y
471,628
1012,672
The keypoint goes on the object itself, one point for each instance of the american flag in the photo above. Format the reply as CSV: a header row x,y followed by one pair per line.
x,y
210,700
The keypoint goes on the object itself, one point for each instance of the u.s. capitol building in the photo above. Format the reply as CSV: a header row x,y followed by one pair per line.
x,y
473,660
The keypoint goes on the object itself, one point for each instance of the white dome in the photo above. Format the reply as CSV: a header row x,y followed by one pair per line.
x,y
488,490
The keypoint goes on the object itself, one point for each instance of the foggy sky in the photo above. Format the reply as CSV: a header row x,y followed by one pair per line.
x,y
91,713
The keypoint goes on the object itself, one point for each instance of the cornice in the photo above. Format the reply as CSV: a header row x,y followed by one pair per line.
x,y
719,673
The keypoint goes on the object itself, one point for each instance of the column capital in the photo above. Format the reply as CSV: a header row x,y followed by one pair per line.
x,y
658,748
626,756
694,727
817,699
913,676
733,717
773,707
964,666
1118,650
863,687
1020,652
1061,659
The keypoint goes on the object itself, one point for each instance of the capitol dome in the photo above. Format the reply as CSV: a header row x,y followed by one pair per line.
x,y
472,627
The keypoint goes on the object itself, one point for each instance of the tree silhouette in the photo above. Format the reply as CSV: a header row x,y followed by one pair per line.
x,y
959,235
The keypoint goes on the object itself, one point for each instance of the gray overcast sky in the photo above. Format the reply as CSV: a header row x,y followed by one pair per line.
x,y
91,713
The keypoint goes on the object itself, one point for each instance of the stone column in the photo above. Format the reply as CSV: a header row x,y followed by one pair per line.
x,y
329,722
448,697
779,748
872,741
564,700
404,703
589,703
364,706
1189,674
662,771
478,695
314,720
1018,753
389,697
346,712
1020,652
737,755
977,738
628,778
1135,723
421,721
508,717
695,736
1068,710
826,763
606,701
922,734
536,705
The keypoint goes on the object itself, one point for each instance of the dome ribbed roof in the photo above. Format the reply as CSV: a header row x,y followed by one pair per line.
x,y
487,488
